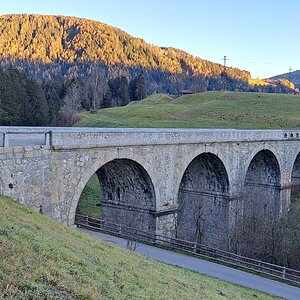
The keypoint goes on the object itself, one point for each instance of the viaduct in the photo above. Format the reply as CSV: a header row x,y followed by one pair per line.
x,y
193,184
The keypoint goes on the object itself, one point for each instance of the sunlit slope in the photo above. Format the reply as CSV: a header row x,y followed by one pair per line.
x,y
203,110
41,259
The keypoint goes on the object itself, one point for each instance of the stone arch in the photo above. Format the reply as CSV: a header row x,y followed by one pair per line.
x,y
253,154
203,206
97,165
295,178
194,154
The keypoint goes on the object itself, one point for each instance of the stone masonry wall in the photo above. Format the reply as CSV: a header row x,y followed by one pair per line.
x,y
49,169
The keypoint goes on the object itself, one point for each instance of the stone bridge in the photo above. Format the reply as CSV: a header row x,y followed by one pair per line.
x,y
193,184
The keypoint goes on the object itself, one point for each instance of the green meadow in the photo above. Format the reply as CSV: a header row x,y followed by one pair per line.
x,y
203,110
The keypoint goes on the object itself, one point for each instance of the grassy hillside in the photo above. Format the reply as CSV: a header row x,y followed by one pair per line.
x,y
203,110
41,259
291,76
90,197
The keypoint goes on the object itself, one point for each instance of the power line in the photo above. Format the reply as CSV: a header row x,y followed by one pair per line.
x,y
262,62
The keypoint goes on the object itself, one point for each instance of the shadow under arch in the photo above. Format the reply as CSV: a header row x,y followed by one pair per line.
x,y
203,200
295,180
259,206
262,182
127,194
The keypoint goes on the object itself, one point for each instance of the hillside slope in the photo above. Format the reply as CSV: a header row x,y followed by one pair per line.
x,y
49,39
203,110
293,77
48,47
41,259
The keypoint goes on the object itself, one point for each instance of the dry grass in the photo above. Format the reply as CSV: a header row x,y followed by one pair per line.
x,y
41,259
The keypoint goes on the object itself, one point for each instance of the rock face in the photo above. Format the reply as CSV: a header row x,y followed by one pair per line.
x,y
192,184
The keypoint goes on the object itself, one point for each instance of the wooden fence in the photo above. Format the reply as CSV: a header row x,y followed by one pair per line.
x,y
229,258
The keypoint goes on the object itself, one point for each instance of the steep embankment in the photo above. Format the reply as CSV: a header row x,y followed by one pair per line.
x,y
41,259
203,110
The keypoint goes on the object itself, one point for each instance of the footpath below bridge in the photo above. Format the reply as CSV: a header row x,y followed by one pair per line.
x,y
208,268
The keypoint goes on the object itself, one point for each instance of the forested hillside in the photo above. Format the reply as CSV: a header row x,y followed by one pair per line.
x,y
53,67
25,101
47,39
47,47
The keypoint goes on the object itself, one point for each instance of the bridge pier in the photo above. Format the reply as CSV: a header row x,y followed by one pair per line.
x,y
166,222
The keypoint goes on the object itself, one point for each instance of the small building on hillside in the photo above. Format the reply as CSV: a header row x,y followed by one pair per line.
x,y
186,92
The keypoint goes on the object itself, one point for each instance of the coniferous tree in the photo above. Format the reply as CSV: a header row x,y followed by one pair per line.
x,y
131,89
137,88
140,89
55,91
21,100
123,91
39,114
7,101
107,99
119,91
5,119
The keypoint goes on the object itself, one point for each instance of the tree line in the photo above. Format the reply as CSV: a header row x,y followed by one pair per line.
x,y
26,102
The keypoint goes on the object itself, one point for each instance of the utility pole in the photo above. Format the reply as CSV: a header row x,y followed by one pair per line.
x,y
225,59
223,73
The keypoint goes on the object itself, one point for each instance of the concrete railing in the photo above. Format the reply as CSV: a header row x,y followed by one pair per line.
x,y
19,138
72,137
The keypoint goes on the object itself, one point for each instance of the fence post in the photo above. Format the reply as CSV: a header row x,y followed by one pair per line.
x,y
195,247
5,139
47,138
87,220
283,272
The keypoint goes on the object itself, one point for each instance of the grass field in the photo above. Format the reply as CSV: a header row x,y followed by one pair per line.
x,y
90,197
41,259
203,110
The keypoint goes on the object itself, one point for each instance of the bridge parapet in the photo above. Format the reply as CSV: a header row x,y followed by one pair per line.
x,y
67,138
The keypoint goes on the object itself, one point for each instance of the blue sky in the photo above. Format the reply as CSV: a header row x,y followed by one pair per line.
x,y
261,36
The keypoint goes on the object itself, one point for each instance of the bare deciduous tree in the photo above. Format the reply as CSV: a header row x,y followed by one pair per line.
x,y
95,88
69,112
264,234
